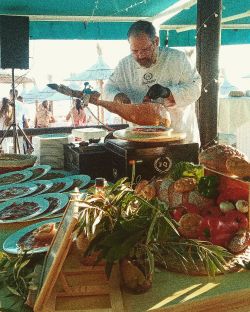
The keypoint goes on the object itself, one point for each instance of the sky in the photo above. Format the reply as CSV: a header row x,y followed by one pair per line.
x,y
56,60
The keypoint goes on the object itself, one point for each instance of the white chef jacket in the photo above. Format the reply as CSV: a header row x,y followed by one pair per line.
x,y
172,69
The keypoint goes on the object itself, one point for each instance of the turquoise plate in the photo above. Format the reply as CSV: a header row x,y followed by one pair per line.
x,y
60,185
11,191
57,202
14,177
38,171
11,246
56,174
42,186
22,209
79,180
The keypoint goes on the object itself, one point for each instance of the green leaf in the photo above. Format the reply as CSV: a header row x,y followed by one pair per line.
x,y
94,243
115,238
22,265
13,291
108,268
136,224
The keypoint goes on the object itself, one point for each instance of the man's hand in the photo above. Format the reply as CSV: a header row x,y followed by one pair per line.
x,y
122,98
157,91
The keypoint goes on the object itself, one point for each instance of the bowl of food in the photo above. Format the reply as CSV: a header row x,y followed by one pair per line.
x,y
14,162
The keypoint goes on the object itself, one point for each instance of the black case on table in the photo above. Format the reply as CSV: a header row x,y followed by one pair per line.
x,y
114,159
151,159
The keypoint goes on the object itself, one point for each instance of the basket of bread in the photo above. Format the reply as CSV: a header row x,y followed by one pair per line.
x,y
14,162
209,206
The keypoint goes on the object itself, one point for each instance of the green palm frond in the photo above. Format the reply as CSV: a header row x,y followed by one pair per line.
x,y
123,224
196,254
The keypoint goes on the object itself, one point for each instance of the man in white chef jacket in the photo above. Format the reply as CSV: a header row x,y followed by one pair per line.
x,y
162,75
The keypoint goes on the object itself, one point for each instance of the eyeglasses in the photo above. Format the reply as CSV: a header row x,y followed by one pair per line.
x,y
143,51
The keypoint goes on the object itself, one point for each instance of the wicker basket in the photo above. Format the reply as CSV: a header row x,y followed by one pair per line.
x,y
13,162
198,268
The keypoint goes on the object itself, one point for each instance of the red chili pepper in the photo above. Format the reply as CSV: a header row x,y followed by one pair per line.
x,y
238,217
232,194
216,231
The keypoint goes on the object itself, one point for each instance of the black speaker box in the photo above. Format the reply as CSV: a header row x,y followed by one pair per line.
x,y
14,42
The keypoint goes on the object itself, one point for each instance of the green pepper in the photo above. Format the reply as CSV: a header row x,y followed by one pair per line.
x,y
208,186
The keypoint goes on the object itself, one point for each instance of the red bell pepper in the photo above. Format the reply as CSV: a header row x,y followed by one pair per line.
x,y
191,208
238,217
211,211
216,231
232,194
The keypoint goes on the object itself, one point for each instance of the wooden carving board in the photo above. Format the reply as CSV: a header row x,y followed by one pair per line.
x,y
66,284
85,288
133,136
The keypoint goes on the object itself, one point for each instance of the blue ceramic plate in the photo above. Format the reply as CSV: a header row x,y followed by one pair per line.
x,y
12,191
56,174
22,209
38,171
60,185
11,244
14,177
57,202
79,180
42,186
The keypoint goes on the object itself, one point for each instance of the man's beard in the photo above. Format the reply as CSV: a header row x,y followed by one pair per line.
x,y
146,62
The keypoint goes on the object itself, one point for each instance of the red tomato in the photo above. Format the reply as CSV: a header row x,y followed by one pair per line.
x,y
238,217
177,213
216,231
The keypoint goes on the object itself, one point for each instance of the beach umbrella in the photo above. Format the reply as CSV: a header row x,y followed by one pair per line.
x,y
6,77
58,97
46,93
98,72
32,96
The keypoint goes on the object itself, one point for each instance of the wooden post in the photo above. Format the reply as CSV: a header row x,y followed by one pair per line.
x,y
208,46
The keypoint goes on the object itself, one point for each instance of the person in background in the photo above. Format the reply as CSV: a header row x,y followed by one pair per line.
x,y
155,75
26,118
19,106
43,116
77,114
6,113
5,121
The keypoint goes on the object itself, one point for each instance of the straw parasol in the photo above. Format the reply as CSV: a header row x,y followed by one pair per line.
x,y
98,72
19,79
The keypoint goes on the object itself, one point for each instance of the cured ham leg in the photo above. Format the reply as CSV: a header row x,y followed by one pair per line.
x,y
143,114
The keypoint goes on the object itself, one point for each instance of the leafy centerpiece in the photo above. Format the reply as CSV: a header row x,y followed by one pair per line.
x,y
130,226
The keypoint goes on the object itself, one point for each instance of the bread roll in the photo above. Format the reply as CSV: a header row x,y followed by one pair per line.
x,y
238,166
216,156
